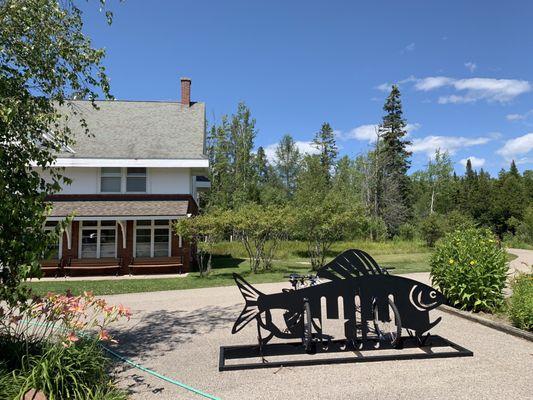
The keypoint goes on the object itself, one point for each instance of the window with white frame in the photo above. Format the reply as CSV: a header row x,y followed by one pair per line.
x,y
111,180
122,180
136,180
98,239
54,250
152,238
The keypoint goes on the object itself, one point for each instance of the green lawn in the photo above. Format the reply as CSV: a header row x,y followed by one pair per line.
x,y
224,266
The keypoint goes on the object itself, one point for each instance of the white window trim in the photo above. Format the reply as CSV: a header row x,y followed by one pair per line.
x,y
123,182
152,228
60,249
100,181
98,227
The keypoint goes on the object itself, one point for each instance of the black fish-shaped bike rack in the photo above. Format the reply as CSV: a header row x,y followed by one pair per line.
x,y
370,297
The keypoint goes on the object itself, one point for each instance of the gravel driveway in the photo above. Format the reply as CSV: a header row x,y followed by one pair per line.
x,y
178,334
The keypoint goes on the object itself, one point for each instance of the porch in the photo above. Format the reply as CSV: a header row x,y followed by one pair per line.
x,y
118,237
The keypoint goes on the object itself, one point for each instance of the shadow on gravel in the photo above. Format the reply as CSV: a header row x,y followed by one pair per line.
x,y
159,332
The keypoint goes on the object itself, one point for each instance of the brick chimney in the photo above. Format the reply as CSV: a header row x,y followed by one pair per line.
x,y
186,91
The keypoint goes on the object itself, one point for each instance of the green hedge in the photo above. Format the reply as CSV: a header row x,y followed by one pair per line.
x,y
470,269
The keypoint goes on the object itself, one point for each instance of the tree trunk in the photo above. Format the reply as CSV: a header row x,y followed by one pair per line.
x,y
432,200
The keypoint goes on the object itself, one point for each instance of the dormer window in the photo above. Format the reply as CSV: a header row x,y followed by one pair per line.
x,y
122,180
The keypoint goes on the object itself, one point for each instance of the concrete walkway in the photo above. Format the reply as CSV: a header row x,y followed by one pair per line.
x,y
178,334
523,262
108,277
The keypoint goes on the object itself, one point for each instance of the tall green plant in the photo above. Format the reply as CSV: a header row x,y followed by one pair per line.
x,y
470,269
521,302
45,60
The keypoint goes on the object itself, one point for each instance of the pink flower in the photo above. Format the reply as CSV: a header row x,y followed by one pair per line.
x,y
105,337
71,337
124,311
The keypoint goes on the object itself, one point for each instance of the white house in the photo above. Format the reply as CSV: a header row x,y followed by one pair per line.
x,y
139,170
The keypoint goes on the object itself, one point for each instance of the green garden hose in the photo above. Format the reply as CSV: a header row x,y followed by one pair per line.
x,y
158,375
147,370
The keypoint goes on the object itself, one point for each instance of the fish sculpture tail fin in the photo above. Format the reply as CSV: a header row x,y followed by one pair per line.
x,y
251,309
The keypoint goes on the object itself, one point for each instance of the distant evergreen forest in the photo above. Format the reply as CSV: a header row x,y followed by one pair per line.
x,y
426,203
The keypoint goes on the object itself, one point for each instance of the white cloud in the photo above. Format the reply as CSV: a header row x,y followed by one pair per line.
x,y
502,90
386,86
476,162
303,146
471,89
410,47
368,132
518,149
433,82
451,144
471,66
362,132
519,117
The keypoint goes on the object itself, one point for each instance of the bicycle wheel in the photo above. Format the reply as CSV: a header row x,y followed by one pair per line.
x,y
308,342
389,331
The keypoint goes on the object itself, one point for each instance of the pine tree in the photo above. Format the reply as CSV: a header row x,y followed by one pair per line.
x,y
261,164
514,170
395,202
510,200
324,142
287,163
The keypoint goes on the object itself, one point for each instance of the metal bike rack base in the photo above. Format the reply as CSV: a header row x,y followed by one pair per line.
x,y
336,346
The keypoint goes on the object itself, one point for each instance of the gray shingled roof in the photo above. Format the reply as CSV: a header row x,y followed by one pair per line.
x,y
120,208
139,129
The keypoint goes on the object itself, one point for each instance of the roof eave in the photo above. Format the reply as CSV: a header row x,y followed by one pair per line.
x,y
133,162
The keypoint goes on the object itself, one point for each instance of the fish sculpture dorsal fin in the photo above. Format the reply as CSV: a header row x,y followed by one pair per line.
x,y
350,264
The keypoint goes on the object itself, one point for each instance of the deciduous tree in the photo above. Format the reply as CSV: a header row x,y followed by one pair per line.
x,y
45,60
287,163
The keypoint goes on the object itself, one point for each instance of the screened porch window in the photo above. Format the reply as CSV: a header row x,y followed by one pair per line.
x,y
98,239
54,250
152,238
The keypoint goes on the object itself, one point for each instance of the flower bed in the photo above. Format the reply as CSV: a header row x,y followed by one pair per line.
x,y
52,344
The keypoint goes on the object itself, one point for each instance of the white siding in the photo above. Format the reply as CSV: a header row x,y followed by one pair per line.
x,y
169,180
84,181
160,181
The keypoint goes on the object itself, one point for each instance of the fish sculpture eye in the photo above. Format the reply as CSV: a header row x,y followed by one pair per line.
x,y
433,294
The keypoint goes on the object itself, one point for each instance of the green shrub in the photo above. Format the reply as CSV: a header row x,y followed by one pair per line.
x,y
407,232
455,220
432,229
521,302
470,269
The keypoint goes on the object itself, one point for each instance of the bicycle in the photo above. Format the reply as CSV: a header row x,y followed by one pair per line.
x,y
385,328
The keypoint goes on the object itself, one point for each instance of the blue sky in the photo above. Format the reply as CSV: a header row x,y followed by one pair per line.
x,y
465,68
